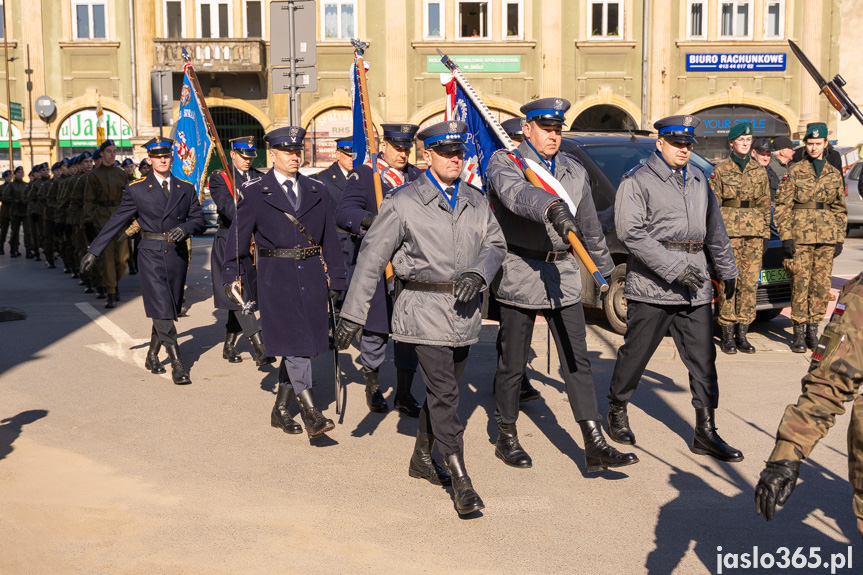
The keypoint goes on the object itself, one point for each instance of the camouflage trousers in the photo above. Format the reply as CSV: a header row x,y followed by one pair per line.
x,y
855,459
809,271
741,307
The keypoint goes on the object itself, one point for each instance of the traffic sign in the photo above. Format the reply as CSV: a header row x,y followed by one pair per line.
x,y
304,38
16,111
307,79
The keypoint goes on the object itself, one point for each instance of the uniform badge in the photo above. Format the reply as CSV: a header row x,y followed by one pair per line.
x,y
558,104
453,127
687,121
293,132
839,310
406,129
816,133
747,130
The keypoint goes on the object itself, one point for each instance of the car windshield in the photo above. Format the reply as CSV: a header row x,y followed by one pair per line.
x,y
614,160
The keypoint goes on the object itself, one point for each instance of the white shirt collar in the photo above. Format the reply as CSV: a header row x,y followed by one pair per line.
x,y
344,171
160,179
281,178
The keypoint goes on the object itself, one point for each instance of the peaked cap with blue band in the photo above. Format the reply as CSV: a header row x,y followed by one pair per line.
x,y
244,146
159,146
400,134
678,128
444,136
287,138
346,143
546,110
514,127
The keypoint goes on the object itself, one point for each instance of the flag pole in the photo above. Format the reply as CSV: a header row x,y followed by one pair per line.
x,y
208,120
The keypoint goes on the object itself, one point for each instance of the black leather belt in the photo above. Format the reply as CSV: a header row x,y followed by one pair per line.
x,y
737,204
108,204
436,287
547,257
294,253
688,247
809,206
156,236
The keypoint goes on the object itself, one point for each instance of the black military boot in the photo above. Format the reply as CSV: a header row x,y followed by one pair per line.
x,y
466,499
88,287
618,423
528,392
374,398
727,344
598,454
261,357
112,301
708,442
178,369
404,401
100,293
743,343
811,336
423,466
280,416
152,363
316,423
798,344
117,295
508,449
229,351
50,263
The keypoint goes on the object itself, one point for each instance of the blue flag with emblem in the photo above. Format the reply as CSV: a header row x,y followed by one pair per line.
x,y
192,142
359,126
481,143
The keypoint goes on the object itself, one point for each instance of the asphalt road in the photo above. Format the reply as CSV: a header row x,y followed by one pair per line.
x,y
106,468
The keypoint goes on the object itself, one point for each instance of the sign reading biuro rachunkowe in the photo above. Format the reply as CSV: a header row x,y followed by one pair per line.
x,y
735,62
476,63
79,129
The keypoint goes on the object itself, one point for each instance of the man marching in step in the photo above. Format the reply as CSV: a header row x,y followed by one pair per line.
x,y
445,246
168,211
299,268
355,213
665,215
742,189
242,154
540,274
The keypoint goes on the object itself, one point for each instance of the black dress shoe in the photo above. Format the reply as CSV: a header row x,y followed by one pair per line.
x,y
280,417
527,393
708,442
423,466
508,449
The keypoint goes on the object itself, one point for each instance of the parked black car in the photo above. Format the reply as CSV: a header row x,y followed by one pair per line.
x,y
607,157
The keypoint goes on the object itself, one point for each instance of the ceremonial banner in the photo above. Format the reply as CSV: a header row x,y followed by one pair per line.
x,y
361,153
192,142
100,124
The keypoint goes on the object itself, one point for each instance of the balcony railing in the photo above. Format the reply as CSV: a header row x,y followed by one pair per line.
x,y
212,54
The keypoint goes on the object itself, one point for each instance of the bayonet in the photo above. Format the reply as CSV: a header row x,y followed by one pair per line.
x,y
833,89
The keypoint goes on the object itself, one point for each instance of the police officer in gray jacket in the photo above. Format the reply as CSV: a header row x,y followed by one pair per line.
x,y
540,274
665,215
445,246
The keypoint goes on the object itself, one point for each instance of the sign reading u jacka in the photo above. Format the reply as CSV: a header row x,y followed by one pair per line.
x,y
79,129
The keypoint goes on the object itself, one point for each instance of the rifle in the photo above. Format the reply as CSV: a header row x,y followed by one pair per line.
x,y
833,89
371,143
511,148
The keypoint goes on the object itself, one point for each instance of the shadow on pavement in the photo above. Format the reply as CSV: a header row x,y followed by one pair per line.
x,y
11,427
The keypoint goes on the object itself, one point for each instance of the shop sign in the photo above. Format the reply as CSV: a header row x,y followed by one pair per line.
x,y
719,121
735,62
476,63
4,135
79,130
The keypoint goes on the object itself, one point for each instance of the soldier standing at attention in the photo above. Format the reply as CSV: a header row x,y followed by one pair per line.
x,y
811,218
168,210
665,215
5,210
47,201
355,213
742,189
834,379
15,192
445,246
299,267
336,178
242,154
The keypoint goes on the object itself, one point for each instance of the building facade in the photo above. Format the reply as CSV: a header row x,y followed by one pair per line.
x,y
622,63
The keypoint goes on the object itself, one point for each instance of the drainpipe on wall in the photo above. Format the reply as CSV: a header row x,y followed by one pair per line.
x,y
134,68
645,56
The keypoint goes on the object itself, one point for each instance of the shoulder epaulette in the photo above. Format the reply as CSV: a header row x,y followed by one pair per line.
x,y
574,158
138,180
632,170
250,182
182,180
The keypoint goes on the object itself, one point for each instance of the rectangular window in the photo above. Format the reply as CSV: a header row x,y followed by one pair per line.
x,y
2,20
513,17
90,20
214,18
254,19
433,13
774,19
174,19
606,19
339,19
695,28
735,19
473,20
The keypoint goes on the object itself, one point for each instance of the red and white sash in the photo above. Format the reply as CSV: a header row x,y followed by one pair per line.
x,y
548,181
393,178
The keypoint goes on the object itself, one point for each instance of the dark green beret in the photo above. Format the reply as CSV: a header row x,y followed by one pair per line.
x,y
818,130
741,129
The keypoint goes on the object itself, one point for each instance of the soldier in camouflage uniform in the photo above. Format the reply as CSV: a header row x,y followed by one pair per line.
x,y
34,210
61,217
15,192
742,190
834,379
811,217
47,194
76,208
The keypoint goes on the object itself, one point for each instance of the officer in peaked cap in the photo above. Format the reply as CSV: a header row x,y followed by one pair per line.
x,y
336,178
538,262
168,211
243,153
356,212
445,247
300,261
668,285
513,128
5,210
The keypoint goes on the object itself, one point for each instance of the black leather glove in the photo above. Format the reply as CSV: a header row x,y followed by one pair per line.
x,y
467,286
837,249
729,288
178,234
775,486
788,248
345,332
334,294
87,262
691,278
561,220
368,221
90,232
231,296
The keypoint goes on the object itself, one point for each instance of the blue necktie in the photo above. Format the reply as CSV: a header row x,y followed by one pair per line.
x,y
289,191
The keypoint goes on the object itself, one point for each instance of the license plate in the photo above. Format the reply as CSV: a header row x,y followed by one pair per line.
x,y
773,276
